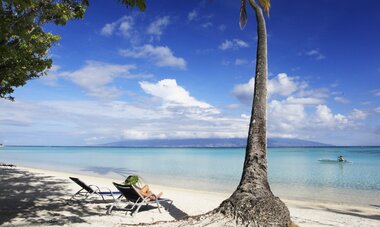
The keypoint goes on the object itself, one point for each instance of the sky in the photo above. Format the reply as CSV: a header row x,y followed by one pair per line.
x,y
184,69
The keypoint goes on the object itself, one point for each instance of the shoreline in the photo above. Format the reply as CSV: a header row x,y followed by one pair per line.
x,y
186,202
221,147
344,196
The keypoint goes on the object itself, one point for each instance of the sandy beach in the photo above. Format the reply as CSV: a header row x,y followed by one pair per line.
x,y
41,197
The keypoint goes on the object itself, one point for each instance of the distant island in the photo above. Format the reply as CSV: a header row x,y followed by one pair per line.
x,y
213,142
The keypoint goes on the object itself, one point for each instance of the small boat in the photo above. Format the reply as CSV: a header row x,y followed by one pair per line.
x,y
1,145
333,161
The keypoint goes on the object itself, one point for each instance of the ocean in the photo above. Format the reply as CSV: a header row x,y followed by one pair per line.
x,y
294,173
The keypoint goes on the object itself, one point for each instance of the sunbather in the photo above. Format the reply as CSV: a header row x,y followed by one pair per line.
x,y
144,191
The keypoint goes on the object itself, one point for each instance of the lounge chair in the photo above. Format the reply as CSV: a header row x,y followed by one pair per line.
x,y
88,190
135,199
7,165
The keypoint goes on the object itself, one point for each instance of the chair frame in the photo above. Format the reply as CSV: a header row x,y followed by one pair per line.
x,y
141,200
88,190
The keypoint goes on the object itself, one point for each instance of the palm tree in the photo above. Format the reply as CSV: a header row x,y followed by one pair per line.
x,y
253,201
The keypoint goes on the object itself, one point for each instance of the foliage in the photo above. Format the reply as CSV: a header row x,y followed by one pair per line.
x,y
132,3
132,180
24,44
265,4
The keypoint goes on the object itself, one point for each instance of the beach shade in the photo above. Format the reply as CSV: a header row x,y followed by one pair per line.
x,y
135,199
87,191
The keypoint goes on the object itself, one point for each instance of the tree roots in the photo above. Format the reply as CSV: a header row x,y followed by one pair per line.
x,y
248,211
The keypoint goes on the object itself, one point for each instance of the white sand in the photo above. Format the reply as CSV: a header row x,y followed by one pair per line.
x,y
39,197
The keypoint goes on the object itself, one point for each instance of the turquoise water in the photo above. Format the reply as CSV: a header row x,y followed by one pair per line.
x,y
293,172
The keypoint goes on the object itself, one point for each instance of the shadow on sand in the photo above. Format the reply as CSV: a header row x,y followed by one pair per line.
x,y
36,199
174,211
355,213
41,200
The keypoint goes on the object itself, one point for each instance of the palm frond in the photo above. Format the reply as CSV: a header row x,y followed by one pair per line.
x,y
243,15
266,5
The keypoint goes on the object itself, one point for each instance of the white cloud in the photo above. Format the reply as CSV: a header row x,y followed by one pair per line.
x,y
156,27
325,116
140,134
97,78
207,25
51,76
172,94
376,92
306,91
377,110
295,110
341,100
285,117
304,101
358,115
336,84
282,85
279,85
126,26
160,55
245,116
93,122
123,25
108,29
316,54
233,44
222,27
233,106
244,92
239,61
193,15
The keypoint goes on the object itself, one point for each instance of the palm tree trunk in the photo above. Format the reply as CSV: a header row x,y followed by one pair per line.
x,y
254,178
253,202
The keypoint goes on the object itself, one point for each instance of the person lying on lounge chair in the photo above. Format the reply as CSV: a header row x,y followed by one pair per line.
x,y
144,191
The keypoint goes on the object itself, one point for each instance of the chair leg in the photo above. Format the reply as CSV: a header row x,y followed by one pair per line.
x,y
114,204
133,206
137,210
87,195
78,192
158,206
171,203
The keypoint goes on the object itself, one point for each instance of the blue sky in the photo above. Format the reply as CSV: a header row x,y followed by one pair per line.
x,y
185,71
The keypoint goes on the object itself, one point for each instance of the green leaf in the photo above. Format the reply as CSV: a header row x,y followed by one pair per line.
x,y
141,5
24,44
132,180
